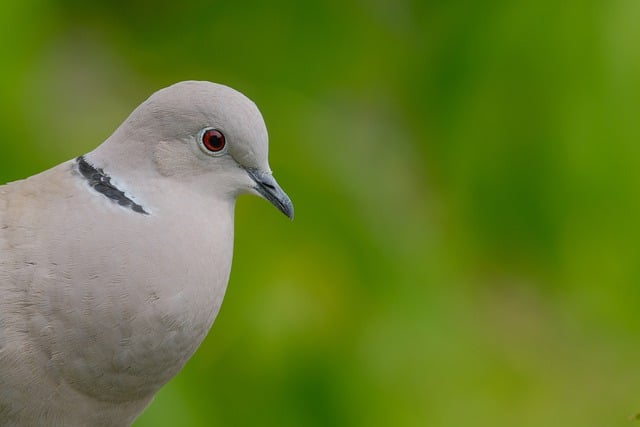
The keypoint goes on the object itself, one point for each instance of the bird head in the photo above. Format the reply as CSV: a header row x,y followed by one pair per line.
x,y
206,133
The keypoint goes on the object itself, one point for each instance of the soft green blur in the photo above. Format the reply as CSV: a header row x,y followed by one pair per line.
x,y
466,177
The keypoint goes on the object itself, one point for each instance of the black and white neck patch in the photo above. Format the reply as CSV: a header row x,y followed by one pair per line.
x,y
101,182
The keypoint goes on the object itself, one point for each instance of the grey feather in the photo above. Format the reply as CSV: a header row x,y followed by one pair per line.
x,y
113,270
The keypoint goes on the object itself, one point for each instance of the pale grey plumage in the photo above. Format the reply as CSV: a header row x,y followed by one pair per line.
x,y
100,305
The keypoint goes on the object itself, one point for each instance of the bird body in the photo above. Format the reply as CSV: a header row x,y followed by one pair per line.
x,y
113,266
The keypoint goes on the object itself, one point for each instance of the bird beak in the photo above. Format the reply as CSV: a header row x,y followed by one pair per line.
x,y
268,188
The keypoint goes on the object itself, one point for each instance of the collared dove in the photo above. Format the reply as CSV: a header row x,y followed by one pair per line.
x,y
113,265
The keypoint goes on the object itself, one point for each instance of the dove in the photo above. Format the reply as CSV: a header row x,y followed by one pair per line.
x,y
113,265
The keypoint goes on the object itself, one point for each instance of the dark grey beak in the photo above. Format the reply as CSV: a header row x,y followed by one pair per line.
x,y
267,186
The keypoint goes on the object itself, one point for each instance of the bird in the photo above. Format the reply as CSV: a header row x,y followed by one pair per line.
x,y
113,265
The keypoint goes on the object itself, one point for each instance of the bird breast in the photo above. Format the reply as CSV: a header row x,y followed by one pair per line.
x,y
115,302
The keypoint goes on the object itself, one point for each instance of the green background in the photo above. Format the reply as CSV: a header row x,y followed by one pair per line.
x,y
466,178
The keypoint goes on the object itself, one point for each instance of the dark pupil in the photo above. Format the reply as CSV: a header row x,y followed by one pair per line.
x,y
214,140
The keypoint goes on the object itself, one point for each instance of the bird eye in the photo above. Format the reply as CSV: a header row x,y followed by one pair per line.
x,y
213,141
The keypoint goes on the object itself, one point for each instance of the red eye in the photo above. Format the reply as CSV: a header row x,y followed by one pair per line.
x,y
213,140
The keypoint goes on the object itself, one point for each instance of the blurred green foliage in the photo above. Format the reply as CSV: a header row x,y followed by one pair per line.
x,y
466,177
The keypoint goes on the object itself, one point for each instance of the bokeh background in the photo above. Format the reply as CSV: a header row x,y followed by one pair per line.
x,y
466,176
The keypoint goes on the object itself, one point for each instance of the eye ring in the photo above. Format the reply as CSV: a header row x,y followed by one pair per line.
x,y
212,141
